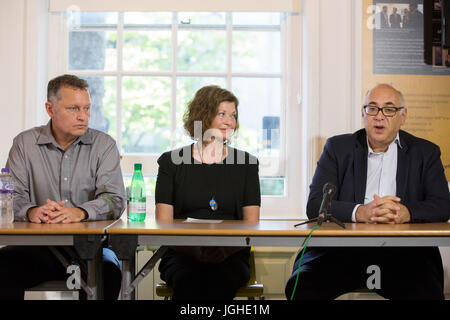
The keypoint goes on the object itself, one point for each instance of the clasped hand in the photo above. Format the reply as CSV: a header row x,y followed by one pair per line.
x,y
55,212
386,209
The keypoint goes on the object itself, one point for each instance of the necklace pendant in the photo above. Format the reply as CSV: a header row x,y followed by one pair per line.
x,y
213,204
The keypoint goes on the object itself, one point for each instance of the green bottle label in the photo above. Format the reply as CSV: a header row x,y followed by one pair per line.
x,y
137,207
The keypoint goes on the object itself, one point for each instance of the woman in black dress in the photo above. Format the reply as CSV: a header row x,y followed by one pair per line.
x,y
207,180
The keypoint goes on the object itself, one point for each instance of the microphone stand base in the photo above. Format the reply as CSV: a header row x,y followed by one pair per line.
x,y
306,222
327,218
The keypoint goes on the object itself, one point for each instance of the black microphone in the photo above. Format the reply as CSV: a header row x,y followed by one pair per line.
x,y
329,190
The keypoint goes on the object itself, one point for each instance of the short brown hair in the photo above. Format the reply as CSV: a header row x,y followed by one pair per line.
x,y
203,107
66,80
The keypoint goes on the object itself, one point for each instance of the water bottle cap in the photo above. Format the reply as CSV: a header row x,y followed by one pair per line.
x,y
6,170
138,166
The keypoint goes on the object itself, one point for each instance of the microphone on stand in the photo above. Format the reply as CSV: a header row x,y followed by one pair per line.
x,y
329,190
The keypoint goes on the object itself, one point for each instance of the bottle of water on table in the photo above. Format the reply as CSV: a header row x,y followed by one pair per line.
x,y
138,199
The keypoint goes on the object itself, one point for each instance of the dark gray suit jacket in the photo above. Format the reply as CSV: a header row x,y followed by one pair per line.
x,y
421,183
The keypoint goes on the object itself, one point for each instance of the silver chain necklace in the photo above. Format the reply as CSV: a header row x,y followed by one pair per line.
x,y
212,203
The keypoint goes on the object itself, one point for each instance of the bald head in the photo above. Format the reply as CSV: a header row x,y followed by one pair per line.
x,y
387,87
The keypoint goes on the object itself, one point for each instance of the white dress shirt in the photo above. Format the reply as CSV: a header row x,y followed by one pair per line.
x,y
381,173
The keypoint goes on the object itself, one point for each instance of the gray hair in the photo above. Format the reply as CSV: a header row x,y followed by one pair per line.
x,y
66,80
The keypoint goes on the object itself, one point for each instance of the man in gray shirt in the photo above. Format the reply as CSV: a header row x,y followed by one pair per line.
x,y
63,172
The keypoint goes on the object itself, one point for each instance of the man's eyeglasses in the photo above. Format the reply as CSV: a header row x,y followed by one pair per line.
x,y
372,110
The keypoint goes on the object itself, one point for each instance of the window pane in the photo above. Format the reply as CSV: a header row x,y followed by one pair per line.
x,y
102,91
147,50
259,98
146,114
256,51
147,18
201,18
186,89
256,18
202,50
272,186
150,184
92,50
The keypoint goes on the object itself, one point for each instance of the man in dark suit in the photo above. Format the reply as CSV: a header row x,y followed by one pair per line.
x,y
415,18
382,19
395,19
382,175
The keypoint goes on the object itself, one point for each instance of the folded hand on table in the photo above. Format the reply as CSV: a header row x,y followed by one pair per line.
x,y
386,209
55,212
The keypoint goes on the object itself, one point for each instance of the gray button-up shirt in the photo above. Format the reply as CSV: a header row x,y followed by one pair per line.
x,y
87,175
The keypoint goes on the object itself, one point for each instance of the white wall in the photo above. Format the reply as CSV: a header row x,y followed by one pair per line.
x,y
23,30
12,28
331,74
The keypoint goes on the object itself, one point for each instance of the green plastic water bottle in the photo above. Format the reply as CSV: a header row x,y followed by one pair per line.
x,y
137,202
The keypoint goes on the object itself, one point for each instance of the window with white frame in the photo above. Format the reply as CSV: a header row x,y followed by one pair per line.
x,y
144,67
